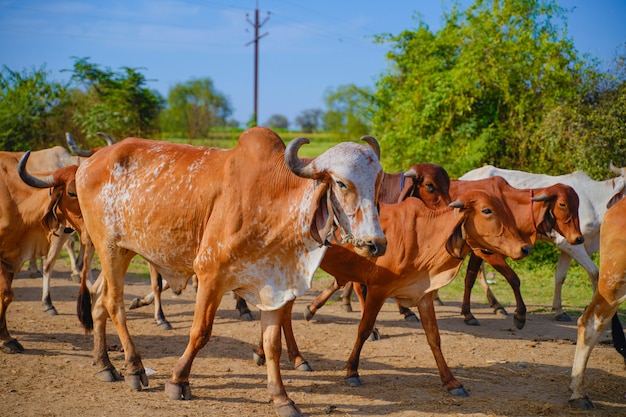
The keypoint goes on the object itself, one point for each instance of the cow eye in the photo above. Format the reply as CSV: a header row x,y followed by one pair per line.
x,y
487,211
430,187
341,184
71,194
562,205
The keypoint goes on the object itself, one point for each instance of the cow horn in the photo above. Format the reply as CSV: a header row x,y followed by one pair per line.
x,y
457,204
410,173
616,170
74,147
45,182
106,137
542,197
295,164
373,144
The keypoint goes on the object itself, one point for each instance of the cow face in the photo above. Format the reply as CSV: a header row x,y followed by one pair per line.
x,y
428,182
349,175
487,225
560,211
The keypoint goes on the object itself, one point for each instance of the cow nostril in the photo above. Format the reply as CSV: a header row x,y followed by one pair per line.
x,y
526,250
580,240
376,249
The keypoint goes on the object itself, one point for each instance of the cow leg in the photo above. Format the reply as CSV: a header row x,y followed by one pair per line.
x,y
33,272
361,293
373,303
591,324
156,280
75,263
346,294
8,344
106,372
57,241
320,300
244,312
426,308
208,300
114,266
292,346
500,265
491,298
473,266
559,279
407,313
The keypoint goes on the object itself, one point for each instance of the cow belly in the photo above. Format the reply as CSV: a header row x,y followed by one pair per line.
x,y
269,284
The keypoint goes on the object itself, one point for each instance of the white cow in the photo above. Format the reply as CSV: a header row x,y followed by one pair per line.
x,y
594,197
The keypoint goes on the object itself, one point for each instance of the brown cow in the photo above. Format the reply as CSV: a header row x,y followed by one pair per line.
x,y
425,251
610,293
239,219
31,209
537,212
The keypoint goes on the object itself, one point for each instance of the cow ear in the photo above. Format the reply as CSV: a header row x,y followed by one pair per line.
x,y
456,242
50,220
619,193
321,214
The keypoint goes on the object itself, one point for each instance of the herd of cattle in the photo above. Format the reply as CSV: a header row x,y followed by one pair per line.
x,y
258,220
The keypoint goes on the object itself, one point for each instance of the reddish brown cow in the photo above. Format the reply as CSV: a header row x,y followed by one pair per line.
x,y
610,293
254,219
537,212
425,251
31,208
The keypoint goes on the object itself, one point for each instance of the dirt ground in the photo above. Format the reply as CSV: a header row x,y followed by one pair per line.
x,y
508,372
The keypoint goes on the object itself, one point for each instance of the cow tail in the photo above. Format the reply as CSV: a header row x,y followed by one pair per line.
x,y
83,306
619,341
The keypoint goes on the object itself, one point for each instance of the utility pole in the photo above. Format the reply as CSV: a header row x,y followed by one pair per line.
x,y
256,26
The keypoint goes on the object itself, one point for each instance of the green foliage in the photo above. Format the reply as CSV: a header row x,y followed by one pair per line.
x,y
277,122
477,90
30,105
349,110
114,102
194,108
310,120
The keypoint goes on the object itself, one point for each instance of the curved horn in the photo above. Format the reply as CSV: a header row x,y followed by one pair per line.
x,y
410,173
373,144
45,182
542,197
616,170
457,204
74,147
295,164
106,137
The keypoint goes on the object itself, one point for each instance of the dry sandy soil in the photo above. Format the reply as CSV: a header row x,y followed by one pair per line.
x,y
508,372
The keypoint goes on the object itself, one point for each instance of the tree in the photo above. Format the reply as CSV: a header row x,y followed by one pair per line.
x,y
277,121
30,105
309,120
114,102
194,107
477,90
349,110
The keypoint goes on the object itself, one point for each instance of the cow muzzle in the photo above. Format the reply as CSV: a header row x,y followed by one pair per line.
x,y
369,248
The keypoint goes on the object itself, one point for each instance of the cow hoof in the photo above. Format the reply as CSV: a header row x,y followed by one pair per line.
x,y
258,359
438,302
459,392
109,375
164,325
472,321
308,314
347,308
354,381
51,310
562,317
288,410
500,311
76,278
180,391
304,367
582,403
135,381
411,317
245,316
12,346
136,303
519,322
374,336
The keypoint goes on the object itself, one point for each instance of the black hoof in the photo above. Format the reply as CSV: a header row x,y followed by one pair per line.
x,y
472,321
459,392
304,367
582,403
500,311
245,316
135,304
374,336
347,308
411,317
51,310
135,381
308,314
109,375
258,359
164,325
180,391
12,346
562,317
287,410
519,322
354,381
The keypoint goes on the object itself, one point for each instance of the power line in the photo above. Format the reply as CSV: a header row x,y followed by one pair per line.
x,y
256,26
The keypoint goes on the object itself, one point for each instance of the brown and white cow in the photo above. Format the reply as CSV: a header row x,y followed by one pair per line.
x,y
425,251
610,293
31,209
239,219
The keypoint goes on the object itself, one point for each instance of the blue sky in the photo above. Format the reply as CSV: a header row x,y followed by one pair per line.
x,y
310,46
